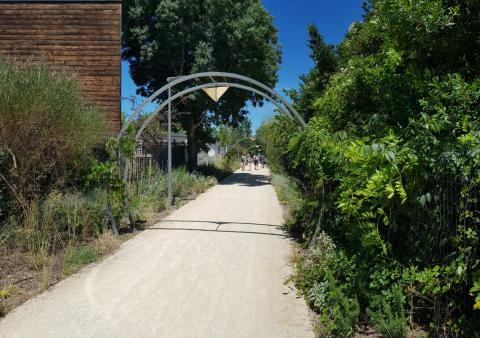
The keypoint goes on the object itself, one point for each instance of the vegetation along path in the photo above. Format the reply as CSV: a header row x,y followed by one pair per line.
x,y
214,268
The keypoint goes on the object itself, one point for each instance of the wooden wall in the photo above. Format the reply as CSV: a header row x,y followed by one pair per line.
x,y
83,36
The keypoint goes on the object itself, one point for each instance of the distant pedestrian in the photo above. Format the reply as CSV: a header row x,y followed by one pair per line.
x,y
255,161
243,160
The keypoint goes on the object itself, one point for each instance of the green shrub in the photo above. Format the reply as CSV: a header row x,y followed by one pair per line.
x,y
314,268
8,234
5,292
387,313
153,196
287,191
389,164
79,216
230,161
323,275
341,316
5,198
182,183
214,170
317,295
339,312
289,196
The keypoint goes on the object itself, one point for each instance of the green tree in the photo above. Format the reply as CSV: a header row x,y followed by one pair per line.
x,y
316,80
226,135
239,135
245,127
163,38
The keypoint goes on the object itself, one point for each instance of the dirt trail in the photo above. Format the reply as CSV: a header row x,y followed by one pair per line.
x,y
213,268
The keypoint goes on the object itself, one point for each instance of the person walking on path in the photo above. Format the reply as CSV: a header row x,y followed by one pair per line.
x,y
262,161
255,161
243,160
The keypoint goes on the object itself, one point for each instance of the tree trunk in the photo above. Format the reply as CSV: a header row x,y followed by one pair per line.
x,y
192,149
313,241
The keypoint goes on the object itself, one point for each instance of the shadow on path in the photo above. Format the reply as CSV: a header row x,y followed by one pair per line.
x,y
224,231
217,222
246,179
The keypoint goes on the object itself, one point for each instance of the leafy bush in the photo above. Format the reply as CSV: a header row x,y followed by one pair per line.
x,y
5,293
323,275
213,170
389,166
340,315
287,190
230,161
186,184
53,222
289,196
387,313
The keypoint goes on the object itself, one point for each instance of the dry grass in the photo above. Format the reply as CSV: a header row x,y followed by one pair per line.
x,y
24,274
295,254
106,244
55,129
21,280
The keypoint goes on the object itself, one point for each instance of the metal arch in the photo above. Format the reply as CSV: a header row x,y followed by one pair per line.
x,y
138,110
193,89
208,85
277,99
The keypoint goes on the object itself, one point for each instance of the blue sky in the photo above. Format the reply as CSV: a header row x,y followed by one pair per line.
x,y
333,17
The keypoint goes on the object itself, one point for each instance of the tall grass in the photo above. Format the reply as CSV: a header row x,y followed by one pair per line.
x,y
47,130
49,224
153,195
289,195
68,220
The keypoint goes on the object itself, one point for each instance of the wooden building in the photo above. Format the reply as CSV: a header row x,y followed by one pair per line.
x,y
82,35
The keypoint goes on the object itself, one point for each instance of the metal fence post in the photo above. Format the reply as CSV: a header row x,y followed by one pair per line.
x,y
169,164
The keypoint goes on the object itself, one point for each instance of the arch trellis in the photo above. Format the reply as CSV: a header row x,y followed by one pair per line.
x,y
227,79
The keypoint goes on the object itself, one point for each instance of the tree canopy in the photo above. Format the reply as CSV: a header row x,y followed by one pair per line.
x,y
315,81
163,38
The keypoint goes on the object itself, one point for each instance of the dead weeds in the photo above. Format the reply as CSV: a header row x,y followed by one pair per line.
x,y
22,279
24,275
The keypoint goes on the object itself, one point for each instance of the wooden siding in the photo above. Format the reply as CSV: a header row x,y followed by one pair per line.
x,y
83,37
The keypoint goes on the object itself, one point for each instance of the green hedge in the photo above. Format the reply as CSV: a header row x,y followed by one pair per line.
x,y
389,170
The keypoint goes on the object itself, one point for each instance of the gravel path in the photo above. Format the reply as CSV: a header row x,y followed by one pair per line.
x,y
213,268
